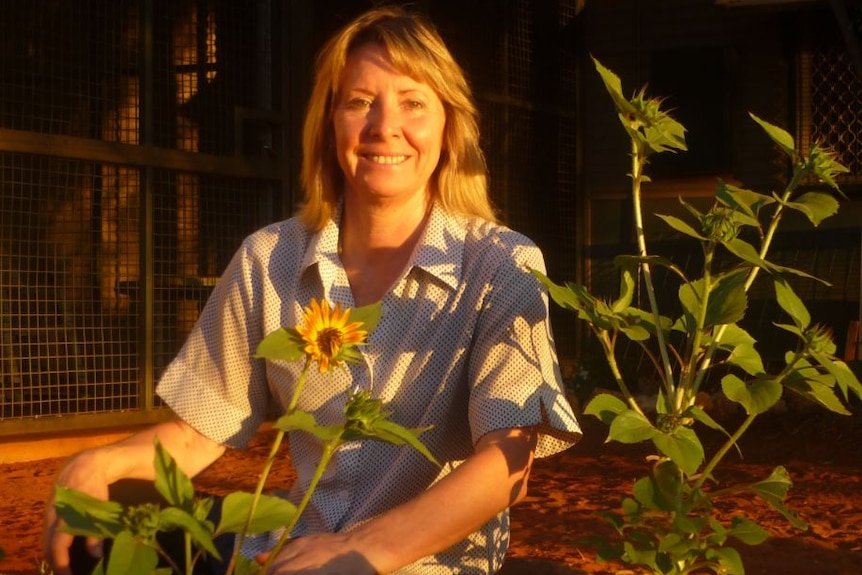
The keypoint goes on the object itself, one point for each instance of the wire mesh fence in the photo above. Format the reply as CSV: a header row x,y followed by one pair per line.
x,y
105,265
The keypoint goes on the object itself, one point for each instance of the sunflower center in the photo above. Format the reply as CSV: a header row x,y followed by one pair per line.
x,y
329,341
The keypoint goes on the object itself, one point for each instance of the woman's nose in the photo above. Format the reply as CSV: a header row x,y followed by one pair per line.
x,y
384,121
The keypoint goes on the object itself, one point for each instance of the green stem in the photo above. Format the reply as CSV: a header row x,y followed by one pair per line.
x,y
270,460
300,385
637,177
164,555
190,565
752,275
716,459
328,451
681,401
608,347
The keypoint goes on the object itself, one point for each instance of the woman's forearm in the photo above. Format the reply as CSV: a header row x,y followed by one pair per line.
x,y
492,479
132,457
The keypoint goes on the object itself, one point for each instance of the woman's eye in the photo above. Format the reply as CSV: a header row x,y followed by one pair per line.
x,y
358,104
414,104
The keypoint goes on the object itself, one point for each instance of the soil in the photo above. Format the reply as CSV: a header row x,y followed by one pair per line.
x,y
822,452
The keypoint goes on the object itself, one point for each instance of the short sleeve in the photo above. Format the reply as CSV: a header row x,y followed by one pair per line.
x,y
514,371
214,384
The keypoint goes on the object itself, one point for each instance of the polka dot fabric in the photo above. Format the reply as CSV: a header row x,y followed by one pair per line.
x,y
463,345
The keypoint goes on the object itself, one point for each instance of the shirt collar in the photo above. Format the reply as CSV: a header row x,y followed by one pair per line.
x,y
322,251
440,251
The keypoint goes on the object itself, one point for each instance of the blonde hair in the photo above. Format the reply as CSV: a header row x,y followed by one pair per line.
x,y
459,184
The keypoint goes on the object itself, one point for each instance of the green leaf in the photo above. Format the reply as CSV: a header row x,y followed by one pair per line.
x,y
747,531
728,558
747,358
202,507
819,393
646,557
773,490
645,493
756,397
638,324
171,482
668,484
199,531
605,407
131,557
271,513
369,315
87,516
615,89
746,252
682,227
283,344
791,303
700,415
300,420
246,566
719,533
631,426
817,206
779,136
391,432
843,375
568,297
628,281
727,300
682,447
742,200
672,543
846,379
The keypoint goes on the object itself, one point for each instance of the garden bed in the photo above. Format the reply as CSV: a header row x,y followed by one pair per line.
x,y
822,452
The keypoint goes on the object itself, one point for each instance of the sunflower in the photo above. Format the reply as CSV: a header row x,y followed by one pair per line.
x,y
328,336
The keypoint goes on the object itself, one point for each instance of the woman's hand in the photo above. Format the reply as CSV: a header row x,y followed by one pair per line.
x,y
323,554
83,474
92,471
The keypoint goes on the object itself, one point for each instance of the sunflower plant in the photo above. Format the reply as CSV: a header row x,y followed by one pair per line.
x,y
328,338
668,524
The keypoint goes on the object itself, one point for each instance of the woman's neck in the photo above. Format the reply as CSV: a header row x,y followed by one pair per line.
x,y
367,228
375,245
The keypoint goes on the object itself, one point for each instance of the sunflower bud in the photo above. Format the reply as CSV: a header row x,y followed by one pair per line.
x,y
719,224
819,339
143,520
362,411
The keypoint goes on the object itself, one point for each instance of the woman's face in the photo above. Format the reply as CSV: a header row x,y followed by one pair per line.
x,y
388,129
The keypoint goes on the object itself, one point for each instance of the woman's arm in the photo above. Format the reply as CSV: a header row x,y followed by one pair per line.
x,y
93,470
492,479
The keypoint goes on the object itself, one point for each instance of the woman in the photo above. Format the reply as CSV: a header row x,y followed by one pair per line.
x,y
396,211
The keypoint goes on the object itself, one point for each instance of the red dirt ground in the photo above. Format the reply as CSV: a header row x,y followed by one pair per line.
x,y
822,452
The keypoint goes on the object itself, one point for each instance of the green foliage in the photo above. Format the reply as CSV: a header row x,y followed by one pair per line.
x,y
136,551
668,525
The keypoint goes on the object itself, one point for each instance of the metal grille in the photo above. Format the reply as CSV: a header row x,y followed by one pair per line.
x,y
103,240
199,221
836,106
67,342
522,65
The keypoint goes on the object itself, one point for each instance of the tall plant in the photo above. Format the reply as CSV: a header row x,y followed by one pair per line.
x,y
327,339
668,524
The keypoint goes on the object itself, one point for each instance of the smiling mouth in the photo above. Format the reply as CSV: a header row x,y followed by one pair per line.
x,y
389,160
